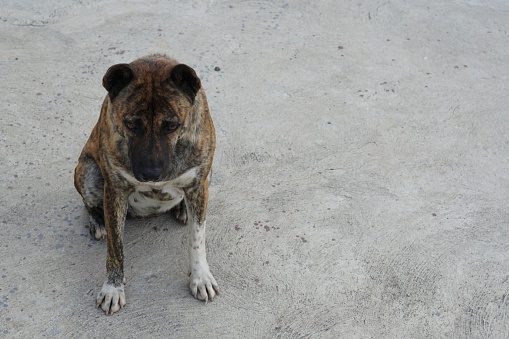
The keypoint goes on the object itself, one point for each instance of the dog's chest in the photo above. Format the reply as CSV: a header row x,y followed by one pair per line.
x,y
146,201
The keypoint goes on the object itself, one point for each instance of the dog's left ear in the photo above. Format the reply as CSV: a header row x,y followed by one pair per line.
x,y
186,80
116,78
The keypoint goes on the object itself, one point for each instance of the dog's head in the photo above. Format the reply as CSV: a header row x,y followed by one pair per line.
x,y
152,100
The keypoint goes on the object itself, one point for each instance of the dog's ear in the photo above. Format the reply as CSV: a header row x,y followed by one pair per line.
x,y
116,78
186,80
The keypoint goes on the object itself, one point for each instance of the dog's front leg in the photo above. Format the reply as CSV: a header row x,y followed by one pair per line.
x,y
203,285
112,296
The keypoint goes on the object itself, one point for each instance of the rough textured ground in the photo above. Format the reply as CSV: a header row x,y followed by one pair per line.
x,y
361,178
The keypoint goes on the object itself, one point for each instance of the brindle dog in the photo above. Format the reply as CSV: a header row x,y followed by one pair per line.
x,y
150,152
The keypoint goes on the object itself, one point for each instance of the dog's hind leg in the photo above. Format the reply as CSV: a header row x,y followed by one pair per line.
x,y
89,182
180,212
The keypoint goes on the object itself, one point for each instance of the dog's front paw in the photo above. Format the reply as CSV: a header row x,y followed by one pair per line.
x,y
111,298
203,285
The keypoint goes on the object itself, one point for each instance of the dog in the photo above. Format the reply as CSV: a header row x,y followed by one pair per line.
x,y
150,153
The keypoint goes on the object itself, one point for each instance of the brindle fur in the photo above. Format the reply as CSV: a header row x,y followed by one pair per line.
x,y
155,91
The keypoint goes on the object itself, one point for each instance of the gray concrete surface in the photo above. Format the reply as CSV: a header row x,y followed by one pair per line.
x,y
361,179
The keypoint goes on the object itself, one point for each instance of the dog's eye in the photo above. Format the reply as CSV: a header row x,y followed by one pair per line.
x,y
169,127
131,125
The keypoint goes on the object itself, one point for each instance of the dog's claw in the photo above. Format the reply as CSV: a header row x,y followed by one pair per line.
x,y
111,299
203,286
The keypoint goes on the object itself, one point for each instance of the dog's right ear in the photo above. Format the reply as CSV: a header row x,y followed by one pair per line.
x,y
116,78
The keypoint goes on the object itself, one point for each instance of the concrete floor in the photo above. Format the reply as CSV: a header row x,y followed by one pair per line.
x,y
360,185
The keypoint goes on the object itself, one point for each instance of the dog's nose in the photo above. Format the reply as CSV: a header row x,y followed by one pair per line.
x,y
150,174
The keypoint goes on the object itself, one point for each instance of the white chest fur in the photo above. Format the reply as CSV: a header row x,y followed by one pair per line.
x,y
150,198
144,203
